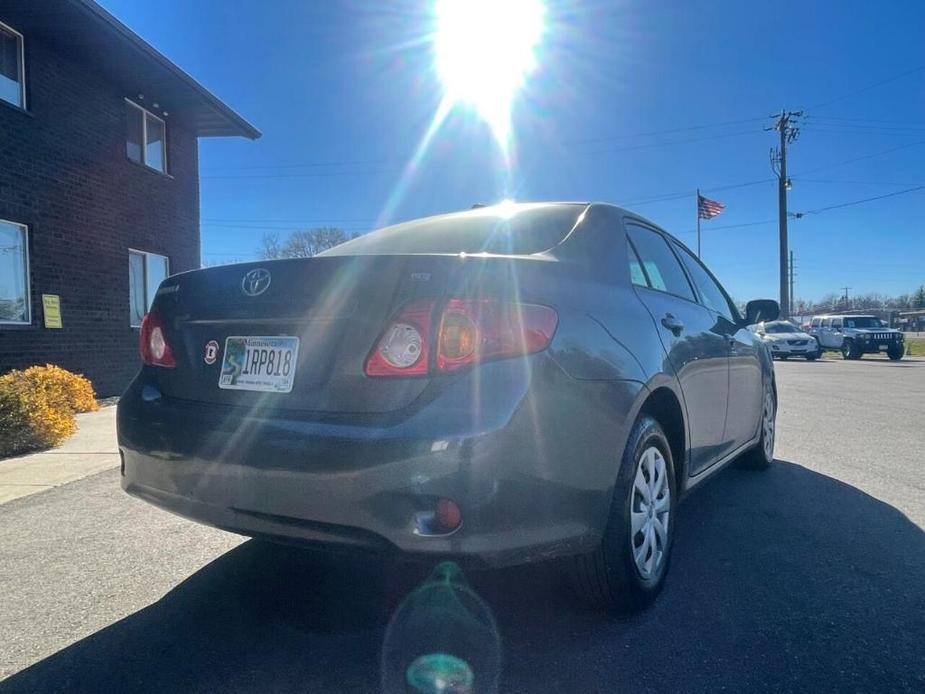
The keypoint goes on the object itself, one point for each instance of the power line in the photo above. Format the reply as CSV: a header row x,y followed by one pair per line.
x,y
376,172
687,193
818,210
667,132
862,157
868,87
744,224
394,161
865,200
868,120
813,122
866,183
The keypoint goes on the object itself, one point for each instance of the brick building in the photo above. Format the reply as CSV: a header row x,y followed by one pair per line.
x,y
99,184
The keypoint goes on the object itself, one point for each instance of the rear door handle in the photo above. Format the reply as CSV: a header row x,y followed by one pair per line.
x,y
673,324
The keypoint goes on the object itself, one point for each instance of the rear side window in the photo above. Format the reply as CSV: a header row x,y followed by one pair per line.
x,y
637,276
661,267
836,323
507,229
711,293
826,322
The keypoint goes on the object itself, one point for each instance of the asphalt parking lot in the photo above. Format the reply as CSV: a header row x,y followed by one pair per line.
x,y
807,577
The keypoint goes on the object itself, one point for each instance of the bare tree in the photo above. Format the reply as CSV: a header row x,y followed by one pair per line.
x,y
302,243
917,300
269,246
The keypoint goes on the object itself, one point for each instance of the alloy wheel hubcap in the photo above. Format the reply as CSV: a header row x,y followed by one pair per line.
x,y
767,424
650,509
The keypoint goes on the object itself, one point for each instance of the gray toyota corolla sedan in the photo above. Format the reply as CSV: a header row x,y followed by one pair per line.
x,y
501,385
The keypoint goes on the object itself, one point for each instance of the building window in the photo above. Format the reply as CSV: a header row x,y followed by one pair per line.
x,y
146,138
12,68
14,274
146,271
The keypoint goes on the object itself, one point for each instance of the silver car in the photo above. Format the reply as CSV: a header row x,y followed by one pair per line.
x,y
785,340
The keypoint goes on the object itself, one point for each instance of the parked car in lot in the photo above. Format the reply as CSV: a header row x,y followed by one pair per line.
x,y
786,340
501,385
855,336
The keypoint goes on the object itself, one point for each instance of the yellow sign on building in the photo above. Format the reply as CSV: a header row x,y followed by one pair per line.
x,y
51,307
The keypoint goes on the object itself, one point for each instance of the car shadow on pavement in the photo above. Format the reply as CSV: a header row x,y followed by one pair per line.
x,y
784,580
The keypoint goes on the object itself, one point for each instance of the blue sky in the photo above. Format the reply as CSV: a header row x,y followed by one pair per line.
x,y
344,92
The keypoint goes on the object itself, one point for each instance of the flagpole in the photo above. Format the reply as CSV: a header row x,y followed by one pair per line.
x,y
697,205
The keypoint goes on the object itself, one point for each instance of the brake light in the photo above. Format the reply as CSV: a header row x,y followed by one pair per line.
x,y
469,331
152,342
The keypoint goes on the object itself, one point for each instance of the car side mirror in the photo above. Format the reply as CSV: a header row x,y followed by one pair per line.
x,y
761,310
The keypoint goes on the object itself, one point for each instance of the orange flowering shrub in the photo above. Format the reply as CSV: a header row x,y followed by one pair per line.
x,y
63,389
37,407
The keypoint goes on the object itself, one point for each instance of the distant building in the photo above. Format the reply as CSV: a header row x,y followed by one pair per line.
x,y
913,321
99,184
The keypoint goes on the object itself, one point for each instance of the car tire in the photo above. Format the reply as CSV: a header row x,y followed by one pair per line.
x,y
849,350
812,356
784,357
895,353
761,455
627,570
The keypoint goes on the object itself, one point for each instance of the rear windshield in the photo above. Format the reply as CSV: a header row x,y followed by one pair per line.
x,y
503,229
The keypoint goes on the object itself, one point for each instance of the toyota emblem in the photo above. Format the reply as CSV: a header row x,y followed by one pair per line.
x,y
256,282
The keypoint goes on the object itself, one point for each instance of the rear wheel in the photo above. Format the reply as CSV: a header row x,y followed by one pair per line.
x,y
895,353
762,455
812,356
627,571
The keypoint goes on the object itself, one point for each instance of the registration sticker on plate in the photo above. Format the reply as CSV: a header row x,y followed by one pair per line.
x,y
259,363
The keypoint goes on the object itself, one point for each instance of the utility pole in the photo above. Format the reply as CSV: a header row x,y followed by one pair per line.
x,y
846,297
791,276
786,126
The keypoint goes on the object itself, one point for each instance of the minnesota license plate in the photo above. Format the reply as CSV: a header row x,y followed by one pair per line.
x,y
259,363
884,346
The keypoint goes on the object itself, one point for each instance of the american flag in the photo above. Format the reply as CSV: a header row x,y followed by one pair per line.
x,y
708,209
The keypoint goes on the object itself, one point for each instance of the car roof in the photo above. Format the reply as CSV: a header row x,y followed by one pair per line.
x,y
845,315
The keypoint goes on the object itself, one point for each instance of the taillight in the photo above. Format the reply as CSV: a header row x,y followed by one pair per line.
x,y
470,331
152,342
403,348
478,330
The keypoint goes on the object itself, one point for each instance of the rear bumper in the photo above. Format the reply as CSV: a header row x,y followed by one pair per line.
x,y
528,454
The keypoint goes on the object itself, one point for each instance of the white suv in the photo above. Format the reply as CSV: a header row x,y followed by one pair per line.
x,y
855,336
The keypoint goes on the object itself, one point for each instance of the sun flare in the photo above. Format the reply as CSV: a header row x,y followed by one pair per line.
x,y
485,50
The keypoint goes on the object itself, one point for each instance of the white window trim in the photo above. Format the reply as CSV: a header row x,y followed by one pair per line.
x,y
22,66
25,233
144,269
144,139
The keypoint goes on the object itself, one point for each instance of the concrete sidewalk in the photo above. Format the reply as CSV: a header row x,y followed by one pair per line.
x,y
90,450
